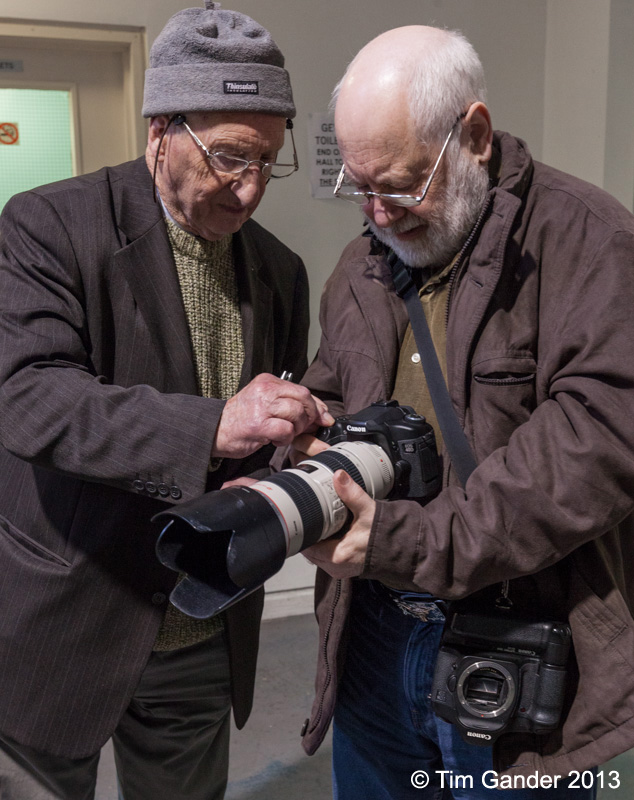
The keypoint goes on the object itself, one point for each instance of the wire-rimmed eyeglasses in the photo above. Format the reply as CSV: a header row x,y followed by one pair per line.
x,y
407,200
232,165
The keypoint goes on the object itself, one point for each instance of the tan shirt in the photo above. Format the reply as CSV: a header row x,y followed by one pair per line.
x,y
410,386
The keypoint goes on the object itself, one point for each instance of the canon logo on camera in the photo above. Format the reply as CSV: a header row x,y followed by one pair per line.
x,y
478,735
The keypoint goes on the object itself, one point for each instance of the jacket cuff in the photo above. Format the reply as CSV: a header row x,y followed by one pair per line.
x,y
395,548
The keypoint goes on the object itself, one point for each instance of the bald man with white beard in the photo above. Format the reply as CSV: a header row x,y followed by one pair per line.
x,y
524,277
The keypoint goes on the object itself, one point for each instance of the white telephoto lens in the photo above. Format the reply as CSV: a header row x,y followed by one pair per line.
x,y
305,500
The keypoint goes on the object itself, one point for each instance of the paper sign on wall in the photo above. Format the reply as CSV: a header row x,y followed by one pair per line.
x,y
323,155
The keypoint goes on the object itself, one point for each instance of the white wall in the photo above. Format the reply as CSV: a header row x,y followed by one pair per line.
x,y
148,14
577,53
589,92
619,141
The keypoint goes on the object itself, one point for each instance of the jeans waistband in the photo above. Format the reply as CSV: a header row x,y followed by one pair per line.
x,y
423,607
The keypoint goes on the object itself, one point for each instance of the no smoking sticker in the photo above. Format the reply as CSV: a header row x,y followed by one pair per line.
x,y
9,133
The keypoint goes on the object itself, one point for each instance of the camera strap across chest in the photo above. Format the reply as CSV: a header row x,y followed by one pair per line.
x,y
462,458
460,453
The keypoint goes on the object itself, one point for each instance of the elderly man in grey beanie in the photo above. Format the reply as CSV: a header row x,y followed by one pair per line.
x,y
143,321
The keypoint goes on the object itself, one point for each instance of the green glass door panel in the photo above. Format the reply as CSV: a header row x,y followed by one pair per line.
x,y
35,139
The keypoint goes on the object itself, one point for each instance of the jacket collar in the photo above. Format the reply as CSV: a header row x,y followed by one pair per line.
x,y
146,260
516,164
134,207
479,278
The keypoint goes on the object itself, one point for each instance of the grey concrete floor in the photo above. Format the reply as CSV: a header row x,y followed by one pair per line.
x,y
267,761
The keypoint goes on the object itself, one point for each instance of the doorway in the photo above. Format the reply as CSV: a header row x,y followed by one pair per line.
x,y
70,101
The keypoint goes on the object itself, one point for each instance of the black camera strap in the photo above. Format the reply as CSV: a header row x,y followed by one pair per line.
x,y
459,451
456,442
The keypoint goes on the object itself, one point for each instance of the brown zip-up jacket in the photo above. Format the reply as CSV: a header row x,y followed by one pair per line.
x,y
540,350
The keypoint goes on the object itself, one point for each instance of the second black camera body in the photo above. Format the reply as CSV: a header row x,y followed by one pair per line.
x,y
499,674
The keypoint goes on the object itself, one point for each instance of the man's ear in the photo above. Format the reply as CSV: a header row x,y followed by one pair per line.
x,y
158,126
480,132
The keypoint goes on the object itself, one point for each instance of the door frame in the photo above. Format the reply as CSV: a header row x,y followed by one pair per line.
x,y
129,41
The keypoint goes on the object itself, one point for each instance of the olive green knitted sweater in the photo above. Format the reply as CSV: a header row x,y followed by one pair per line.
x,y
210,297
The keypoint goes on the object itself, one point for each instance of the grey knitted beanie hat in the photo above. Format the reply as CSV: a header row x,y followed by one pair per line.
x,y
215,60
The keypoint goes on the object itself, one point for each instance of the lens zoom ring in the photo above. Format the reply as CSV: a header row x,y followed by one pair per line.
x,y
335,460
303,495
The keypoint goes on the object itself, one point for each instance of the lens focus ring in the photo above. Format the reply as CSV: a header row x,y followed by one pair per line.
x,y
335,460
307,502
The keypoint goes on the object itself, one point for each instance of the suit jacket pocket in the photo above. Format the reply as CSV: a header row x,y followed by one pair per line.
x,y
25,549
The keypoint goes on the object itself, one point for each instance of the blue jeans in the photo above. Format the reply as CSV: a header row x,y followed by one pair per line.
x,y
385,733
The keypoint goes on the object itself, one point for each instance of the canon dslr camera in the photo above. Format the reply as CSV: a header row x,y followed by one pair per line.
x,y
498,674
229,542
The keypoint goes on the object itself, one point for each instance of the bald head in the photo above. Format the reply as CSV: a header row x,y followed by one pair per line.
x,y
421,76
389,62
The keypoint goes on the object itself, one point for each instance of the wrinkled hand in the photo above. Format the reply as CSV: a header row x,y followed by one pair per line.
x,y
267,411
345,557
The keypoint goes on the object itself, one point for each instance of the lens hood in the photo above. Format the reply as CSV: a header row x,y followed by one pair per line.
x,y
226,544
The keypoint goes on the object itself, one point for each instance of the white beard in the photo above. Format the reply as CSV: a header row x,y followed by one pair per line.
x,y
450,220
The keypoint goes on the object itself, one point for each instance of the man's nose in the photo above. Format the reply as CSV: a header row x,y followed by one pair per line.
x,y
249,184
383,213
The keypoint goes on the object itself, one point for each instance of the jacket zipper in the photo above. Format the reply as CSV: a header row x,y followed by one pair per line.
x,y
328,678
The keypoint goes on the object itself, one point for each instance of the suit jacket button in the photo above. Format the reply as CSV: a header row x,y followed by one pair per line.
x,y
150,487
158,598
139,486
175,492
163,489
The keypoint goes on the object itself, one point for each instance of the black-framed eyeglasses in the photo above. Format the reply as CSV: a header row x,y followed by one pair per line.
x,y
407,200
232,165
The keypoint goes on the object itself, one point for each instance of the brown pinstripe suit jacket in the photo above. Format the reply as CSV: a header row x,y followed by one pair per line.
x,y
98,408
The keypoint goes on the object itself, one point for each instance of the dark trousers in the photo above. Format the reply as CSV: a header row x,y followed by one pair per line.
x,y
172,742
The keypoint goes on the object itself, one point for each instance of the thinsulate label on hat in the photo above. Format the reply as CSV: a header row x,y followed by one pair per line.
x,y
241,87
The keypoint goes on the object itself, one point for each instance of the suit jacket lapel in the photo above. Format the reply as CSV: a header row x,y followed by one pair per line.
x,y
147,262
256,305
